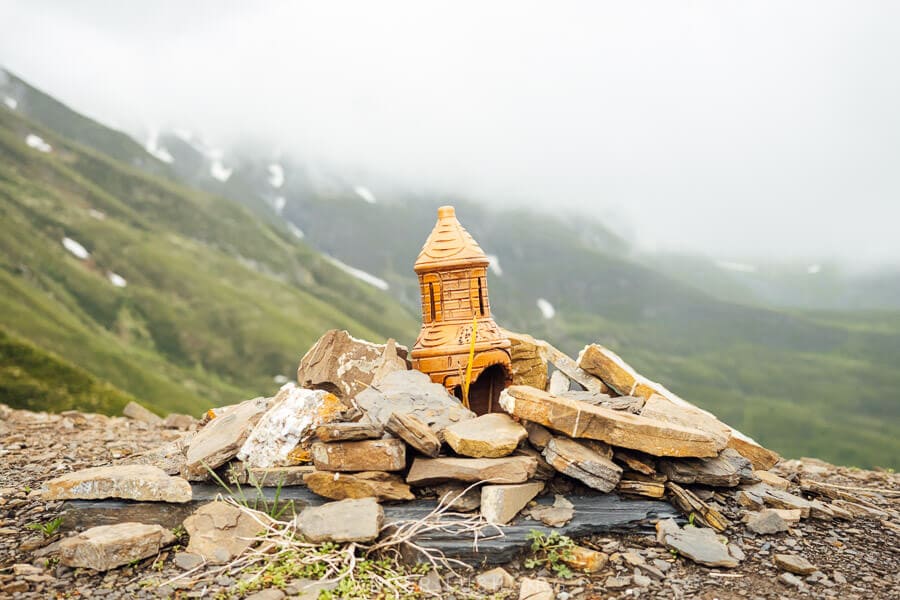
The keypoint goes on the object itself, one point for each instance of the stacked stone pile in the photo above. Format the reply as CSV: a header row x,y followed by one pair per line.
x,y
361,429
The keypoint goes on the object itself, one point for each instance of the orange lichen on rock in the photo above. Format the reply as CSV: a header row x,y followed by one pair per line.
x,y
452,271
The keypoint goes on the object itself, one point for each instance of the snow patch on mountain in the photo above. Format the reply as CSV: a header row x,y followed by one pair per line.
x,y
736,266
185,135
276,175
38,143
97,214
75,248
372,280
278,203
298,233
546,308
11,103
116,279
219,171
365,193
494,264
814,269
155,150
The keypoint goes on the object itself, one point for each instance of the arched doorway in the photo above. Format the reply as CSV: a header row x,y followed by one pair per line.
x,y
484,392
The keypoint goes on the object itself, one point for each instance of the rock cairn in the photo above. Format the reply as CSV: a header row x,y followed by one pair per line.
x,y
364,429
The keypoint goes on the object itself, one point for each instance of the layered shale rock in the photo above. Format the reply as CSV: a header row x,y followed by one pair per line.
x,y
509,469
129,482
364,455
700,545
414,432
577,419
582,463
343,365
529,362
348,432
135,411
412,393
221,438
370,484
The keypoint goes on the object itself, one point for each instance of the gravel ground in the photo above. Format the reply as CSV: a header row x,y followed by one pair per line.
x,y
856,559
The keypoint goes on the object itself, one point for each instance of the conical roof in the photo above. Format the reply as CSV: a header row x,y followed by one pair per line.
x,y
449,245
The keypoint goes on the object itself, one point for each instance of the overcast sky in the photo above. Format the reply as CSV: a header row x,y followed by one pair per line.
x,y
738,129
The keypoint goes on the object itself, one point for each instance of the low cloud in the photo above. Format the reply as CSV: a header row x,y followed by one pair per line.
x,y
734,129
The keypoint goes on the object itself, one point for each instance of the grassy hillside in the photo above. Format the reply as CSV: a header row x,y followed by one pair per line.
x,y
28,373
216,302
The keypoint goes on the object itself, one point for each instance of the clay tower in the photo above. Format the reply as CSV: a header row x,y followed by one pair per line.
x,y
452,272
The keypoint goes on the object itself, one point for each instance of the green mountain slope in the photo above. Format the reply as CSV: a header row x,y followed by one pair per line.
x,y
216,302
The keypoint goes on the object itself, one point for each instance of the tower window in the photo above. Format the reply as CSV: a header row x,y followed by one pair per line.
x,y
480,297
431,296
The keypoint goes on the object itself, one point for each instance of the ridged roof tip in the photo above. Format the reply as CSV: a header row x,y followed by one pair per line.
x,y
449,244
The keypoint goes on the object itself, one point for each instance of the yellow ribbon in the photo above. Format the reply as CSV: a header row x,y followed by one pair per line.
x,y
468,378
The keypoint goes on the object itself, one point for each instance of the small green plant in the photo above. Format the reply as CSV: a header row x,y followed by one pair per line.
x,y
259,501
48,528
551,551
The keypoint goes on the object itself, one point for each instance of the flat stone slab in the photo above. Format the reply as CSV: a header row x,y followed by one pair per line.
x,y
363,455
493,435
617,428
593,514
105,548
130,482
